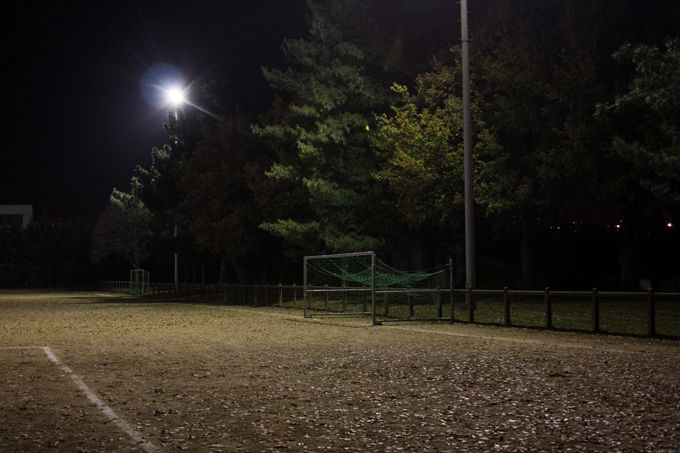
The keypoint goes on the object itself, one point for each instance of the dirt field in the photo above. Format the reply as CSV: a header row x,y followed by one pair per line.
x,y
216,378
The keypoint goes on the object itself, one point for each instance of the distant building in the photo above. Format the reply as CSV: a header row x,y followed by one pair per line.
x,y
15,215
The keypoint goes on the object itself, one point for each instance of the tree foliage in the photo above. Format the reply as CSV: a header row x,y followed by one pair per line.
x,y
220,182
651,141
122,231
322,140
351,165
422,141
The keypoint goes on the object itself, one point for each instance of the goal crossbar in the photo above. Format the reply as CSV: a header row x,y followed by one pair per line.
x,y
346,284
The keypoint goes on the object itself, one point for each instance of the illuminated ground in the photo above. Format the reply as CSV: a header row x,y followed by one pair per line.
x,y
216,378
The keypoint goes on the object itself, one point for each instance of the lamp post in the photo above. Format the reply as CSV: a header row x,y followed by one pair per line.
x,y
176,97
470,261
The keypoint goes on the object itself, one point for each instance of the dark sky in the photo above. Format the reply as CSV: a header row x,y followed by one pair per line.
x,y
75,121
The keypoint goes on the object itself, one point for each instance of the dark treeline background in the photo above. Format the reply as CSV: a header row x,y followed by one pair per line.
x,y
576,118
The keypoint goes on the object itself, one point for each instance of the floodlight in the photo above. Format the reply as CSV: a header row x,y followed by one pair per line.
x,y
175,96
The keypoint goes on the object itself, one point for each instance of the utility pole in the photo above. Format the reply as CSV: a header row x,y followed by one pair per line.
x,y
176,267
470,261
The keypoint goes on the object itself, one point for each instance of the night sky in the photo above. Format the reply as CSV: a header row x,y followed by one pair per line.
x,y
75,120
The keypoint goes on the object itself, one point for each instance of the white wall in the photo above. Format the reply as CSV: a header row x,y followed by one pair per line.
x,y
24,210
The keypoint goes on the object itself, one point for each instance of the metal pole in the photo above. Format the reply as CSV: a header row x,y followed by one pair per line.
x,y
651,313
548,309
176,258
453,318
304,288
373,287
470,265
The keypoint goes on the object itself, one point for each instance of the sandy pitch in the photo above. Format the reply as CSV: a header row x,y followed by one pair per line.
x,y
215,378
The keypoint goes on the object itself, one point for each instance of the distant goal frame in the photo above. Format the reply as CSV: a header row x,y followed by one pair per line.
x,y
370,292
139,282
317,289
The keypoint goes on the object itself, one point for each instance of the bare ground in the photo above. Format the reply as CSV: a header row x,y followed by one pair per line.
x,y
214,378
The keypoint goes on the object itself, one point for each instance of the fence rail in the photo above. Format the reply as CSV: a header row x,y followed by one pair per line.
x,y
644,313
235,294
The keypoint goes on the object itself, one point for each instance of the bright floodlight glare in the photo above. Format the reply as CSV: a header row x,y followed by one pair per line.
x,y
175,96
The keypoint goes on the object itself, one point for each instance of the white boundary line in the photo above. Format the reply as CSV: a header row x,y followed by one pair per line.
x,y
124,426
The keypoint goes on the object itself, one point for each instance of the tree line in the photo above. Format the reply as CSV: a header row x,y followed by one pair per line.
x,y
576,126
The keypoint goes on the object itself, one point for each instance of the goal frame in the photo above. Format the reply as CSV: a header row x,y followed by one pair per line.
x,y
139,286
311,289
376,318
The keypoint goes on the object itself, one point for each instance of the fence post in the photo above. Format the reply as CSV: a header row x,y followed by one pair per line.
x,y
266,294
344,299
651,313
439,304
305,292
280,295
506,307
470,304
294,296
451,287
548,309
596,312
325,304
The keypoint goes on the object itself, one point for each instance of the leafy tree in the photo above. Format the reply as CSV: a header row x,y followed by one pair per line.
x,y
51,252
651,113
157,187
122,231
220,180
540,83
322,139
422,142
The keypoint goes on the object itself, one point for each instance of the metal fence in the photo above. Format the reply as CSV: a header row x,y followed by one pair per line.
x,y
647,313
643,313
289,296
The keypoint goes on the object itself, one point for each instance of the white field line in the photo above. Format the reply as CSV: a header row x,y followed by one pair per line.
x,y
246,310
474,336
522,341
124,426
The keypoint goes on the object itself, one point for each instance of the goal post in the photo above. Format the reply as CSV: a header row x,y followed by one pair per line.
x,y
139,282
339,284
359,283
422,295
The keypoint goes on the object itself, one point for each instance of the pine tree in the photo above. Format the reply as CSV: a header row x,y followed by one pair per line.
x,y
322,139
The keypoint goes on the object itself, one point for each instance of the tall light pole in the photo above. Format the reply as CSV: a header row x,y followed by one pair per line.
x,y
470,261
175,97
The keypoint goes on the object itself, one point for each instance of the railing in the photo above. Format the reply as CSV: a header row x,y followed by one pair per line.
x,y
647,313
234,294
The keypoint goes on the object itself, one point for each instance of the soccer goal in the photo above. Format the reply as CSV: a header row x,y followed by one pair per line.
x,y
139,282
360,284
339,284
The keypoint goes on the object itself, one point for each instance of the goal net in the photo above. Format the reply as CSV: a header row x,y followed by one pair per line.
x,y
340,284
139,282
361,284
